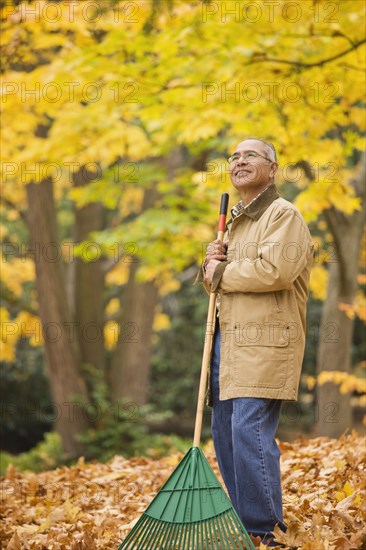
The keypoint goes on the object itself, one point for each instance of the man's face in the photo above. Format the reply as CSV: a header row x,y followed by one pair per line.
x,y
248,170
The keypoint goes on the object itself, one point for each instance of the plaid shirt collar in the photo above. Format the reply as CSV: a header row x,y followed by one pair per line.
x,y
256,206
239,208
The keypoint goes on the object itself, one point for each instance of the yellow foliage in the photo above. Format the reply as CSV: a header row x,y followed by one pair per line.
x,y
322,225
343,198
148,273
9,336
327,191
4,231
12,215
131,200
119,274
111,332
347,382
16,271
139,94
168,285
346,491
319,282
310,382
24,325
161,322
30,327
348,309
357,308
363,250
113,306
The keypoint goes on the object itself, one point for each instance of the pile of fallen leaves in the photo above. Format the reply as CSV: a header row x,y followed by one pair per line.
x,y
93,506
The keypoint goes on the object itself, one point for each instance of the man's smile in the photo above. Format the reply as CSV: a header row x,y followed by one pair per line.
x,y
241,172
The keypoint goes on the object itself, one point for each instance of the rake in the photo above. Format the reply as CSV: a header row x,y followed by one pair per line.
x,y
192,511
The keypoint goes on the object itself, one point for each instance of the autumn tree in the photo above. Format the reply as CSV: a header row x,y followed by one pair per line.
x,y
129,110
339,310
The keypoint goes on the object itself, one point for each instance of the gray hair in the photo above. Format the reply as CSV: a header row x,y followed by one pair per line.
x,y
270,149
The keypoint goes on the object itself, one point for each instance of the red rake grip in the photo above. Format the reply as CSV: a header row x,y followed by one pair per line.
x,y
223,211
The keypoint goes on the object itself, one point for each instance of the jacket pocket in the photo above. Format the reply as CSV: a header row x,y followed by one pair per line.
x,y
261,355
268,334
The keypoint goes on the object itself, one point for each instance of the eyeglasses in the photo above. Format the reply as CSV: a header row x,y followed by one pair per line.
x,y
247,156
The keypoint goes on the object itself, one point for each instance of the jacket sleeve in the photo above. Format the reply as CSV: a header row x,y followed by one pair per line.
x,y
281,255
200,278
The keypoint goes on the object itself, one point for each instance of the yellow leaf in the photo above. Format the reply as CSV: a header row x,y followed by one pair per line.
x,y
119,274
348,489
111,332
30,327
72,511
169,285
113,306
16,271
161,322
45,525
340,495
319,282
310,382
10,335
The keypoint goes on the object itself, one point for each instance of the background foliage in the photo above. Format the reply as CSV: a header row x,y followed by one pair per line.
x,y
123,115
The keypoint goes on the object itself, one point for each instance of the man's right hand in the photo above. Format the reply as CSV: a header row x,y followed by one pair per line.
x,y
215,253
217,250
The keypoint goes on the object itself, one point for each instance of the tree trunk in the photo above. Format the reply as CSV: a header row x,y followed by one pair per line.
x,y
131,362
61,345
89,282
335,344
130,373
334,353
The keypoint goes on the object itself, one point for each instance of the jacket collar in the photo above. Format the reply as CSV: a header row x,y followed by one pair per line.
x,y
258,205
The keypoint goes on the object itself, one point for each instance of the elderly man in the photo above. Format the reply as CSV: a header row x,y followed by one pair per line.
x,y
261,272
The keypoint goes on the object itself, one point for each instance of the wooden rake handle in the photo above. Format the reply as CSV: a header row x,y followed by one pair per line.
x,y
210,328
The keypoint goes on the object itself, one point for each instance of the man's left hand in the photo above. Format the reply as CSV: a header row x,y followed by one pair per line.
x,y
209,271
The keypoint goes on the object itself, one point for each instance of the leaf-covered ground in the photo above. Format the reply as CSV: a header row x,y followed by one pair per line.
x,y
93,506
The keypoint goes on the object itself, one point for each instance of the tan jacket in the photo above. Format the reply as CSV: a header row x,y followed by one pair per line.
x,y
263,291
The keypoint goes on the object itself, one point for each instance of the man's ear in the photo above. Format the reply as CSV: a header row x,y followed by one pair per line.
x,y
273,170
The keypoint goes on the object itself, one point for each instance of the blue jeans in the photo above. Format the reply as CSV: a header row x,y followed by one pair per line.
x,y
243,431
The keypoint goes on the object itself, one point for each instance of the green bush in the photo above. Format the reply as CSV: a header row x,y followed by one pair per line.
x,y
27,409
111,436
123,429
46,455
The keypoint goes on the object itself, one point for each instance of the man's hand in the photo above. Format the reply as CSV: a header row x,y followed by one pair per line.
x,y
215,253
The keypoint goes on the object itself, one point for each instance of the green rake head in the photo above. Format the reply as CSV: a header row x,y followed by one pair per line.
x,y
190,512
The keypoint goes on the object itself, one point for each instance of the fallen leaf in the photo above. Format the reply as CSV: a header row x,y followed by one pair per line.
x,y
94,506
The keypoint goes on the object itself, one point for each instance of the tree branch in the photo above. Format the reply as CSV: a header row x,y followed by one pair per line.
x,y
348,66
308,65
